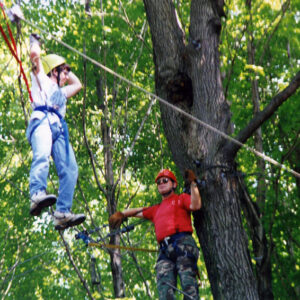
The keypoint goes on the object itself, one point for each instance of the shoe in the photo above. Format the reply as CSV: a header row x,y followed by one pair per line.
x,y
65,220
39,201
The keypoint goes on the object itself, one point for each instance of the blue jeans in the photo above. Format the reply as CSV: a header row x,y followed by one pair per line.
x,y
48,140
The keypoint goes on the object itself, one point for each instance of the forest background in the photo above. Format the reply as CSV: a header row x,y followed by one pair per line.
x,y
117,134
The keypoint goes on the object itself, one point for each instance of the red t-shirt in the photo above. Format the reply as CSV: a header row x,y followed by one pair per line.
x,y
171,216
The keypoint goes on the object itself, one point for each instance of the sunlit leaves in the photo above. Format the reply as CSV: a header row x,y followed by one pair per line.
x,y
116,35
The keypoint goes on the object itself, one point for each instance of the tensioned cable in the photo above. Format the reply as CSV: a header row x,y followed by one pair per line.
x,y
179,110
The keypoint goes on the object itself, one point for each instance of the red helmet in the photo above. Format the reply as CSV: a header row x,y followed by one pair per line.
x,y
166,173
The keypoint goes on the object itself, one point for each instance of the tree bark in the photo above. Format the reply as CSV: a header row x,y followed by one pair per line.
x,y
189,77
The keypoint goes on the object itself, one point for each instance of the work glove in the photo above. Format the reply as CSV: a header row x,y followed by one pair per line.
x,y
15,13
189,177
116,219
34,39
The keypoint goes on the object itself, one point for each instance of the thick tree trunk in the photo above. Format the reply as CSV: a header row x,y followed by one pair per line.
x,y
223,240
189,77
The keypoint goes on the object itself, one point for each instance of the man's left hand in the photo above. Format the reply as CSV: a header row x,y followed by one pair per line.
x,y
189,177
15,13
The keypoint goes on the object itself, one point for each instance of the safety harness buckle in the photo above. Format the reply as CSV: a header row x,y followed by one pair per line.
x,y
165,242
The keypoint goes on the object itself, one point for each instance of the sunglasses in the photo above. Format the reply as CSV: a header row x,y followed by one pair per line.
x,y
163,180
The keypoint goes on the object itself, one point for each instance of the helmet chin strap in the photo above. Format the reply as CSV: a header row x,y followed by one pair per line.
x,y
166,194
58,75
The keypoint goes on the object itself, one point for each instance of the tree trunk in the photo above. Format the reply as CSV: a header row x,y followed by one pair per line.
x,y
115,258
189,77
261,250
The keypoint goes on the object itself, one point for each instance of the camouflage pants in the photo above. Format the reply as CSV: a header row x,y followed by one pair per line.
x,y
179,258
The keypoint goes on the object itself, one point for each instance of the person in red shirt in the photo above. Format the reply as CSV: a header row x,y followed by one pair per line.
x,y
178,253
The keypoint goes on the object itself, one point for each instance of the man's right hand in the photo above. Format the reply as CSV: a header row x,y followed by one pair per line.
x,y
116,219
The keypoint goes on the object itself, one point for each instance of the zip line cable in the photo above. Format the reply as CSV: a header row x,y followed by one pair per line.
x,y
175,108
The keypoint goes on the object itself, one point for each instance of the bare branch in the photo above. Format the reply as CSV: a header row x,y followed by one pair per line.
x,y
84,283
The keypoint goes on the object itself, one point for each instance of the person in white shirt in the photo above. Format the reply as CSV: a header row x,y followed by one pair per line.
x,y
52,84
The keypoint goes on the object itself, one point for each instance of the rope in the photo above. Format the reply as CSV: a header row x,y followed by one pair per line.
x,y
111,246
175,108
84,236
13,49
125,229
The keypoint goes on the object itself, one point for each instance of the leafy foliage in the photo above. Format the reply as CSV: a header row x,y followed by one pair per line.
x,y
34,261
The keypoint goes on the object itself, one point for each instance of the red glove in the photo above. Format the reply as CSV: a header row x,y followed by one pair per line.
x,y
116,219
189,177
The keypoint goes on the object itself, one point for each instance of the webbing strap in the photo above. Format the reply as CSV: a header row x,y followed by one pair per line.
x,y
13,49
45,109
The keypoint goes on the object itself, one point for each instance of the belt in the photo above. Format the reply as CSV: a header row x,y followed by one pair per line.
x,y
172,238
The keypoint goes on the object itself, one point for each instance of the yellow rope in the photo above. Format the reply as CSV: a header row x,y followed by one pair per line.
x,y
121,247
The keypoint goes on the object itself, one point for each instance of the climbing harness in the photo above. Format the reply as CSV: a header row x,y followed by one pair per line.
x,y
48,109
173,240
13,48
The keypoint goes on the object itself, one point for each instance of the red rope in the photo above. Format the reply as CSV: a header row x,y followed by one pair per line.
x,y
13,49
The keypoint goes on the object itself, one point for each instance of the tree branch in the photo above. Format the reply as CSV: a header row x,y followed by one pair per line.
x,y
167,37
231,148
84,283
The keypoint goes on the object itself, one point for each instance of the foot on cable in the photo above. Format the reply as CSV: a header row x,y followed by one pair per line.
x,y
39,201
65,220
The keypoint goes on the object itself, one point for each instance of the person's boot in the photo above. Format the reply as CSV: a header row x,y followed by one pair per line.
x,y
39,201
68,219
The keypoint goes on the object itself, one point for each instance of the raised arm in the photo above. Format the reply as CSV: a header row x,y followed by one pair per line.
x,y
35,54
190,179
196,202
74,85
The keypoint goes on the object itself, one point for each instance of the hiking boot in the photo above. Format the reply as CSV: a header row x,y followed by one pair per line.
x,y
65,220
39,201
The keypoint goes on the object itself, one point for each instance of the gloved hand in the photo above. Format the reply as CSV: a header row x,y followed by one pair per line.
x,y
189,177
34,39
15,13
116,219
